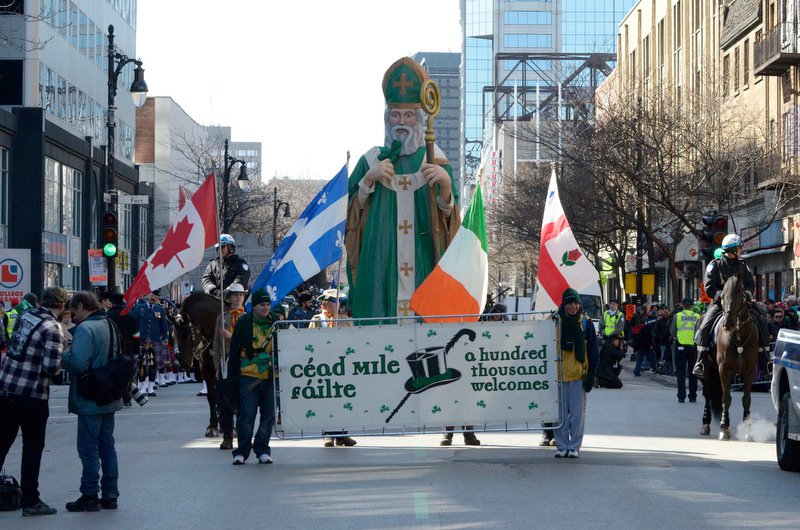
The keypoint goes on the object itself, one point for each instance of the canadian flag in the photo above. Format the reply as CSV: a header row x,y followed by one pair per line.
x,y
562,263
192,232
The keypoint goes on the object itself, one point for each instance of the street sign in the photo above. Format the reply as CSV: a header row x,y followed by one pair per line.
x,y
134,199
15,274
98,272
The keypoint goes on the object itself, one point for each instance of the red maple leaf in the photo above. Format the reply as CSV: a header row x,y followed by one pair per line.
x,y
176,240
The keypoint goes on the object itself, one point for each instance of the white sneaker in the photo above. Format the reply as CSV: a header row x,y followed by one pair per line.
x,y
561,454
238,460
573,454
264,459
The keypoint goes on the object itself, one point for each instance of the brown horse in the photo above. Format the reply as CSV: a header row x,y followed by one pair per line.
x,y
194,334
737,352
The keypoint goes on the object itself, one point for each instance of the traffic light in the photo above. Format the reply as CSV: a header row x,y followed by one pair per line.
x,y
715,230
110,236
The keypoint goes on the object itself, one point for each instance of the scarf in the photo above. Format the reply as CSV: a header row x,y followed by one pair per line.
x,y
391,152
572,334
235,314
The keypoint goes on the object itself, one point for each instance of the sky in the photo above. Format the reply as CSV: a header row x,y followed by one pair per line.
x,y
303,78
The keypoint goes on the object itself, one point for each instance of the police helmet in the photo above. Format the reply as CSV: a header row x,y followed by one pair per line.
x,y
688,302
731,241
226,239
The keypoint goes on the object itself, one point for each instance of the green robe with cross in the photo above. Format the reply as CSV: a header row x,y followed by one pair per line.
x,y
378,235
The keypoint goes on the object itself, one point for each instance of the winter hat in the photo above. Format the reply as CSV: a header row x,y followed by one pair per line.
x,y
570,295
261,296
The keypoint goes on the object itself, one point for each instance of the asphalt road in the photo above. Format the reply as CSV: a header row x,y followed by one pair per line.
x,y
643,465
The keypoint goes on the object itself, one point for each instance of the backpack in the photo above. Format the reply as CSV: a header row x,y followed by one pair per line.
x,y
10,494
111,382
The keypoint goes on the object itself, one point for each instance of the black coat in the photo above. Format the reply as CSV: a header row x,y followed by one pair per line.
x,y
719,270
128,330
234,269
609,356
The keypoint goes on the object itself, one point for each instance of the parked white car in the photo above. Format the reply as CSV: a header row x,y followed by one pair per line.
x,y
785,391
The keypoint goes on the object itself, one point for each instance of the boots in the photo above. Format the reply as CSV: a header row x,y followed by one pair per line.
x,y
345,441
447,439
763,362
227,442
85,503
699,367
471,439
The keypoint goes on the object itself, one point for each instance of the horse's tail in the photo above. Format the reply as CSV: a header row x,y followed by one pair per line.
x,y
712,388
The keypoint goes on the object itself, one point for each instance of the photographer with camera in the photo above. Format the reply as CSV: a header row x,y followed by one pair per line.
x,y
94,340
34,357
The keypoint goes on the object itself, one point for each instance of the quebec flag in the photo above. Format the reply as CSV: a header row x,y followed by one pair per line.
x,y
315,241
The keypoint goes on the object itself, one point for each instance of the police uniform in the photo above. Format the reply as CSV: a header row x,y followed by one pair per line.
x,y
233,269
684,325
613,324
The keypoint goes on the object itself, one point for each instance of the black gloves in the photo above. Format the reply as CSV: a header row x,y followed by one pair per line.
x,y
588,383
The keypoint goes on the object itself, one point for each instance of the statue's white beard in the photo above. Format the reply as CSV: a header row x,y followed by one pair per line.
x,y
414,137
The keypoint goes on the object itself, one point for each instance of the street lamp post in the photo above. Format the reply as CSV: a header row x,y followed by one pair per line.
x,y
242,181
116,62
276,206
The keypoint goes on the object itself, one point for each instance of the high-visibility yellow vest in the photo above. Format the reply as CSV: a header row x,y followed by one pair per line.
x,y
12,319
610,322
685,323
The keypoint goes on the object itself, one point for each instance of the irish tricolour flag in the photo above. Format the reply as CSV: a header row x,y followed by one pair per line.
x,y
458,284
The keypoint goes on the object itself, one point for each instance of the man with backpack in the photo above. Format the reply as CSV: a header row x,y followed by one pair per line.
x,y
94,340
34,357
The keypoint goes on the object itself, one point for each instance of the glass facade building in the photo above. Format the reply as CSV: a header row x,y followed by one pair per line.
x,y
491,27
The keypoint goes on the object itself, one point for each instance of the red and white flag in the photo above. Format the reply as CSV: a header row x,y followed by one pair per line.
x,y
562,263
192,232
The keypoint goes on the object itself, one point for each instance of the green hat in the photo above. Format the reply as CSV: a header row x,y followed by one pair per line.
x,y
570,295
402,84
261,296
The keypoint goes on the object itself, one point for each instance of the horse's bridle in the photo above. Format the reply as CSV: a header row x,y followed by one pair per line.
x,y
199,346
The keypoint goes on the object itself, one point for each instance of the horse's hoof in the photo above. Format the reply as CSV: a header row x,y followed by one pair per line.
x,y
725,435
212,433
705,430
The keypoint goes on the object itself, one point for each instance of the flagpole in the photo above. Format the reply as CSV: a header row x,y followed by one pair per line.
x,y
339,266
223,364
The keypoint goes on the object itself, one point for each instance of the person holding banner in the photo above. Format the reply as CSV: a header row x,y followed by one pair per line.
x,y
401,213
250,365
577,371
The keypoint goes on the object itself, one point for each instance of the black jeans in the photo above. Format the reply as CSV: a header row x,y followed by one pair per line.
x,y
685,357
227,403
30,415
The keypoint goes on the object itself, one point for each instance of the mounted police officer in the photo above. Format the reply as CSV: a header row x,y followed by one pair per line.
x,y
230,269
717,272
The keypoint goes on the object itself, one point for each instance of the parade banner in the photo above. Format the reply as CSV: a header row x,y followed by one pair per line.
x,y
417,378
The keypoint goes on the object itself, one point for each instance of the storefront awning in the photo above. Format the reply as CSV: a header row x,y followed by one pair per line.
x,y
765,251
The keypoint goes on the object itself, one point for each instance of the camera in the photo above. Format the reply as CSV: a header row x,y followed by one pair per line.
x,y
138,395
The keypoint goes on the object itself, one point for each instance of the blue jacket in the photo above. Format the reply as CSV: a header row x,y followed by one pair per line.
x,y
90,342
152,322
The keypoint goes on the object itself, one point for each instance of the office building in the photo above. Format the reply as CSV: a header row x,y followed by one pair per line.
x,y
53,123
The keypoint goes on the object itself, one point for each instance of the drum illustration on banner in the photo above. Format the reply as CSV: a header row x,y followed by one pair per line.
x,y
429,369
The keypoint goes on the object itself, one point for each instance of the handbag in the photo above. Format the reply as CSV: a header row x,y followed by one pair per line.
x,y
10,493
108,383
